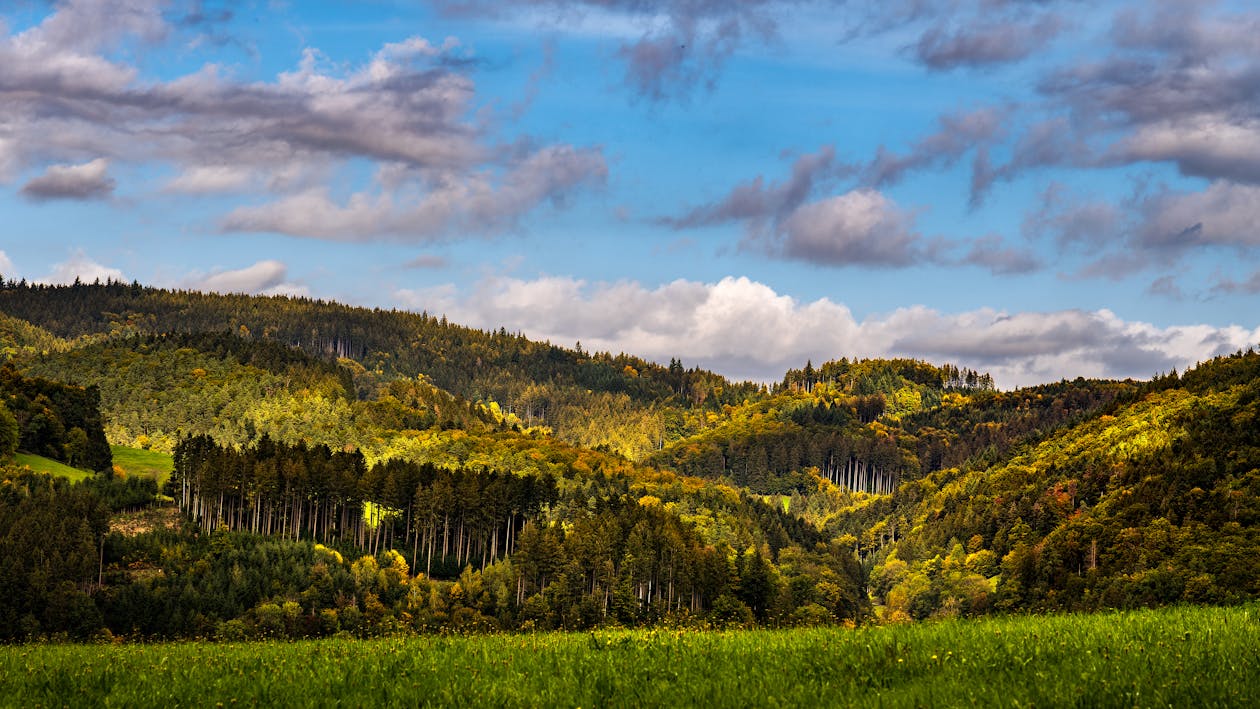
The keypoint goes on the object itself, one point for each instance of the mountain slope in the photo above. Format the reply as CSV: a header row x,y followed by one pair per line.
x,y
1154,501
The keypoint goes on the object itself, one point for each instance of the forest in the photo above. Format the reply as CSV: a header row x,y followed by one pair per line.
x,y
339,470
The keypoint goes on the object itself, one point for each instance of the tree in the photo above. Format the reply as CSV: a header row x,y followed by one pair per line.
x,y
9,433
76,446
756,586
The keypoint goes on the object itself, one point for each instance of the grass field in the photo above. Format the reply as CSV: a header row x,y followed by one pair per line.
x,y
143,463
133,461
1177,657
40,464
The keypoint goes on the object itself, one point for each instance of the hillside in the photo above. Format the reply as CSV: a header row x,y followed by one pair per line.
x,y
538,383
532,486
393,472
1154,500
20,338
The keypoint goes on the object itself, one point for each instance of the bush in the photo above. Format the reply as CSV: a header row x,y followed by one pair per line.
x,y
729,611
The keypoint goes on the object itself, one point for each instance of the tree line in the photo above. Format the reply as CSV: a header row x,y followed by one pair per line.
x,y
873,376
445,517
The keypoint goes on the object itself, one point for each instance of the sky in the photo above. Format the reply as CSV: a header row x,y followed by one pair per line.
x,y
1039,189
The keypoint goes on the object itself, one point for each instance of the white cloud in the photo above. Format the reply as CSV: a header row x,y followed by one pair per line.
x,y
293,290
745,329
267,277
83,268
252,279
7,269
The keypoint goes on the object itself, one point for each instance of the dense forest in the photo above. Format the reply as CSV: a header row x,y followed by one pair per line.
x,y
1113,495
343,470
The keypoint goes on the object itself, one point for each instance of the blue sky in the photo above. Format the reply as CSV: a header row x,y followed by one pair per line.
x,y
1039,189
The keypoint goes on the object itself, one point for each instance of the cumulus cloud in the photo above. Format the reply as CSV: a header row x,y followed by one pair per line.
x,y
90,180
1167,287
7,269
670,48
208,179
861,227
1182,29
1175,85
266,277
1152,228
1069,219
93,25
1179,88
1048,142
251,279
973,34
1211,145
291,290
82,268
745,329
66,97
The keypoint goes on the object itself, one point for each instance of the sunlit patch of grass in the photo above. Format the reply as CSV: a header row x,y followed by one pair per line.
x,y
142,463
41,464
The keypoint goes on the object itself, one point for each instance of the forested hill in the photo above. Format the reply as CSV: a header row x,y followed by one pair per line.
x,y
97,333
1151,498
567,489
272,439
527,378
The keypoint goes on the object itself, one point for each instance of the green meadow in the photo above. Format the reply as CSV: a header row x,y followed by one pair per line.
x,y
143,463
40,464
1184,656
134,462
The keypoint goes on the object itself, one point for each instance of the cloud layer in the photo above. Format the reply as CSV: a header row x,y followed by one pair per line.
x,y
745,329
797,220
436,204
268,277
1121,143
70,109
